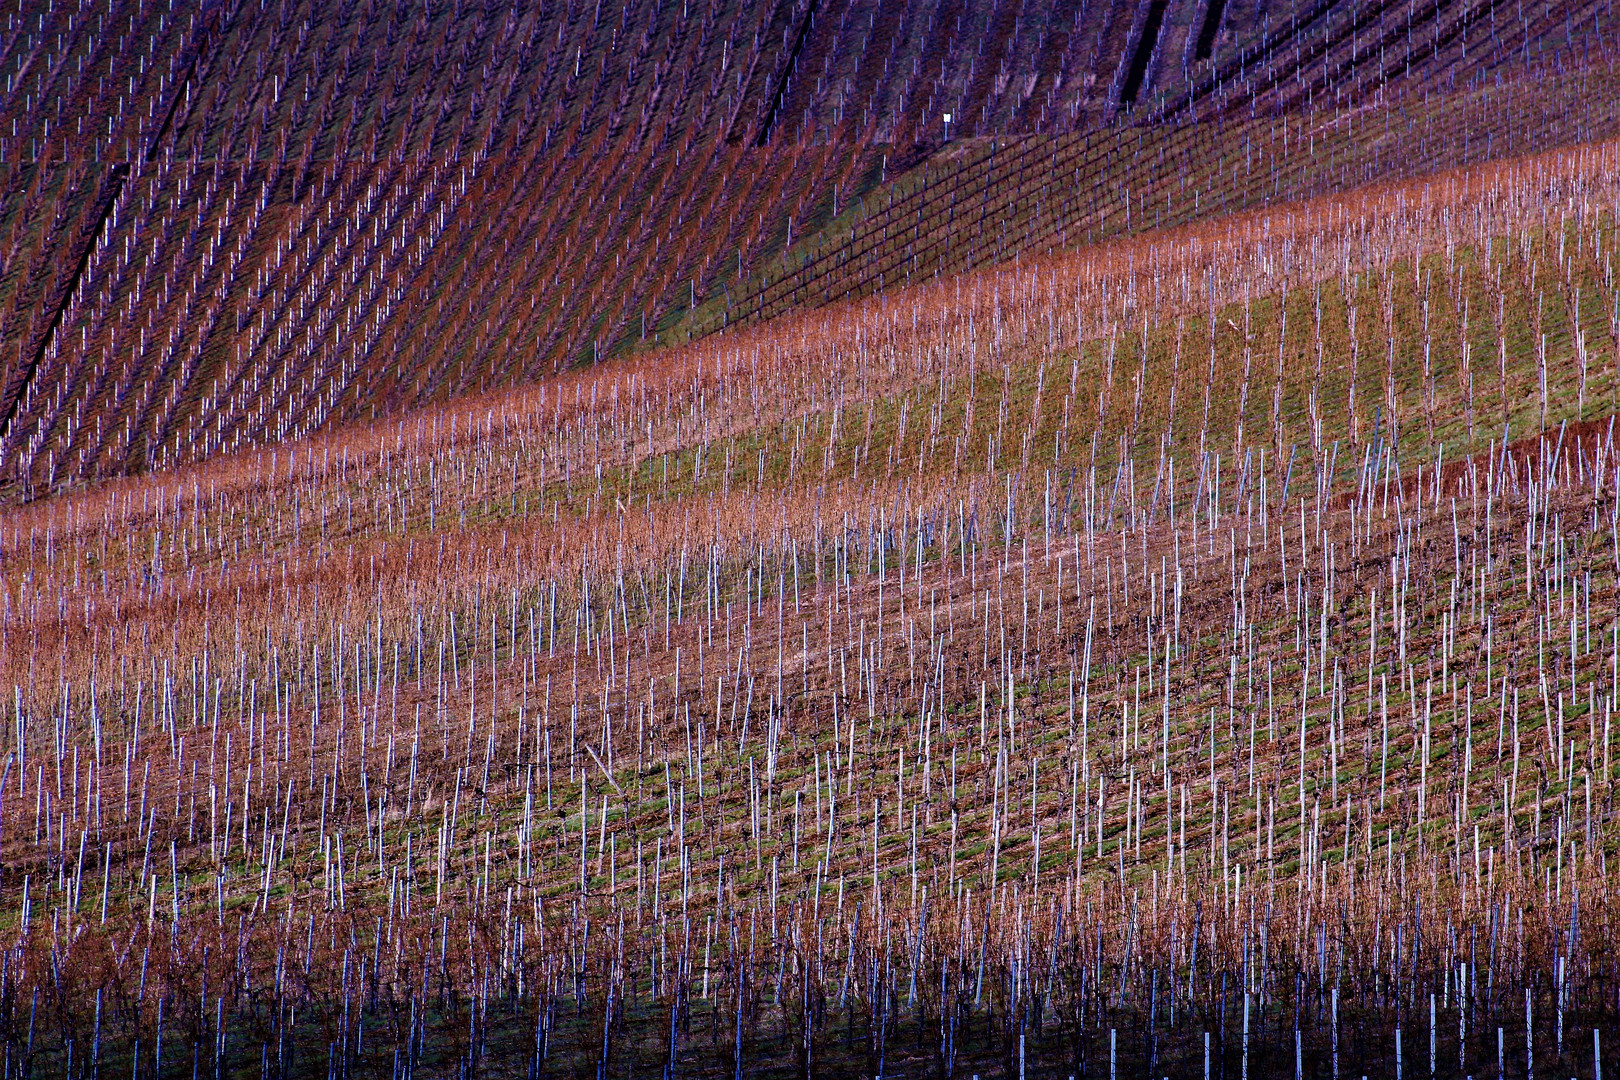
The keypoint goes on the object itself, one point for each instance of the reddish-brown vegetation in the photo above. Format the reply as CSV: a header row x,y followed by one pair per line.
x,y
1054,665
230,226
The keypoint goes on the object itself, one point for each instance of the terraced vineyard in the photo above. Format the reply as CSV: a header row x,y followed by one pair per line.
x,y
1200,644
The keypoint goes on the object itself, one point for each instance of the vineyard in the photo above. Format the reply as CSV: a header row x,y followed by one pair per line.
x,y
1193,651
1038,194
230,226
809,538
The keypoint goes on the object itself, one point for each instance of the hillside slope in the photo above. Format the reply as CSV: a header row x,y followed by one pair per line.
x,y
1049,663
982,202
228,226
